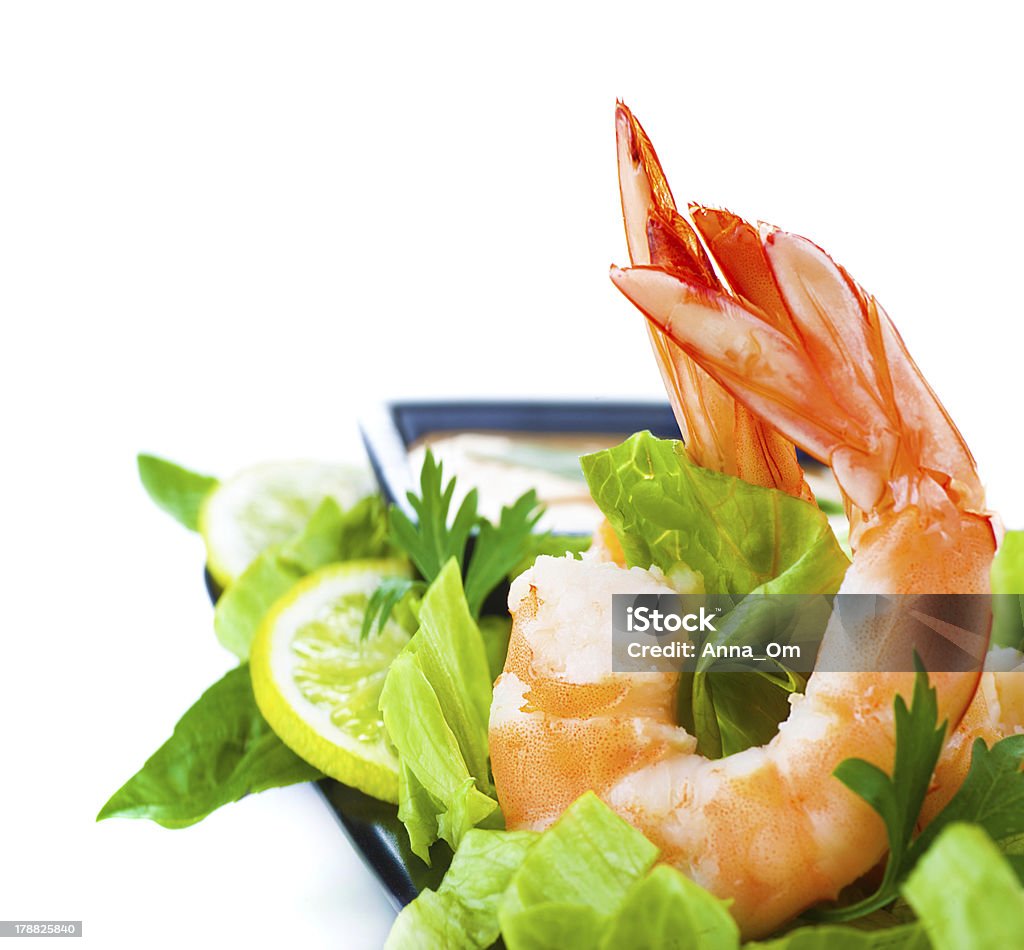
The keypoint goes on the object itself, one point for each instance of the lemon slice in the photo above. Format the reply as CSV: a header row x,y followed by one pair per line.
x,y
267,504
318,684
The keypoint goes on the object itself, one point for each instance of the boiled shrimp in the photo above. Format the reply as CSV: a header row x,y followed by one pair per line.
x,y
657,234
811,357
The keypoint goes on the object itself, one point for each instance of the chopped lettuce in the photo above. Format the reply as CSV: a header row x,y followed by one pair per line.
x,y
584,883
667,909
832,937
463,912
573,879
966,894
589,882
589,858
436,703
496,632
743,539
330,535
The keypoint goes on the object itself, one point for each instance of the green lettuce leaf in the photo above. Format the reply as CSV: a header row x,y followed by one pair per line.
x,y
449,649
584,883
574,878
463,912
730,710
436,703
667,909
496,632
438,797
329,536
965,893
742,539
222,750
176,490
1008,585
555,925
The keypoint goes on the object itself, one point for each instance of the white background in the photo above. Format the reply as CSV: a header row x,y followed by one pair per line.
x,y
224,228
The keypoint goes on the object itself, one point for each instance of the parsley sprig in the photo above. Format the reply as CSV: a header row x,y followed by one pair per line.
x,y
431,540
991,796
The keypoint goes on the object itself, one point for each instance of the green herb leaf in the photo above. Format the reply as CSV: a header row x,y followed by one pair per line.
x,y
222,750
732,711
384,600
463,912
499,548
991,796
435,703
1013,850
431,542
966,894
329,536
898,799
176,490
